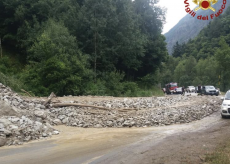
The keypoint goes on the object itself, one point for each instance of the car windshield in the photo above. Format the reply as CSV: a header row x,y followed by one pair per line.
x,y
191,86
173,85
210,87
227,96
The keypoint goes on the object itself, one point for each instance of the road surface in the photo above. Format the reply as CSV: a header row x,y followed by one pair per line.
x,y
168,144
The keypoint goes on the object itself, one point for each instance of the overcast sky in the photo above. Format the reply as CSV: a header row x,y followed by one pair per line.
x,y
175,11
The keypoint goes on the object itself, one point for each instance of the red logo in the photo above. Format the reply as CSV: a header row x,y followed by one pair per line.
x,y
204,5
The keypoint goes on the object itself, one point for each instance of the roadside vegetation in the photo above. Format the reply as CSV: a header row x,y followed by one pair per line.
x,y
220,156
104,47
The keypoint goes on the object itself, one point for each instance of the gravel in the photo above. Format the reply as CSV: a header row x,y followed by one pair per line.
x,y
24,120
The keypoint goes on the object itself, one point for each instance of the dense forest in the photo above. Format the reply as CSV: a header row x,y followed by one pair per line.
x,y
204,60
82,47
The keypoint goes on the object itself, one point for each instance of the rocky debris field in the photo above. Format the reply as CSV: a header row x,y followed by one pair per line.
x,y
23,119
149,114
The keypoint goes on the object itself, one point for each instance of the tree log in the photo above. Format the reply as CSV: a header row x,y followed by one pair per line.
x,y
26,92
79,105
91,106
49,99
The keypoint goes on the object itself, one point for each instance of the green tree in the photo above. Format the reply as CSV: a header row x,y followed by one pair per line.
x,y
57,65
151,18
177,50
223,59
113,38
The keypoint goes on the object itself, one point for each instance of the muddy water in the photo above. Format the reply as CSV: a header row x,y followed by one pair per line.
x,y
84,146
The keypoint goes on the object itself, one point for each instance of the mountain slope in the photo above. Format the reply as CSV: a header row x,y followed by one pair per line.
x,y
189,27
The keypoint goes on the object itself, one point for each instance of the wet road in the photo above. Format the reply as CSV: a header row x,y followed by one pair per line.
x,y
98,146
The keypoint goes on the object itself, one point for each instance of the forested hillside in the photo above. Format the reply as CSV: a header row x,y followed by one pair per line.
x,y
189,27
204,60
81,47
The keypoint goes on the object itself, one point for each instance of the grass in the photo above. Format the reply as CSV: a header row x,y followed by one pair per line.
x,y
220,156
154,91
12,82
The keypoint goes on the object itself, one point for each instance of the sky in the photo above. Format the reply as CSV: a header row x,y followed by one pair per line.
x,y
175,11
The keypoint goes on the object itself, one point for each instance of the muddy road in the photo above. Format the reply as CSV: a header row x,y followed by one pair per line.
x,y
182,143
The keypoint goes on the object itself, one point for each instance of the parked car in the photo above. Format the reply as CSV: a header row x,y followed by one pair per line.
x,y
225,107
209,90
179,90
190,89
196,89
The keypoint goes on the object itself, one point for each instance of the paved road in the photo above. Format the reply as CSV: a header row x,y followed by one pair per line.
x,y
101,146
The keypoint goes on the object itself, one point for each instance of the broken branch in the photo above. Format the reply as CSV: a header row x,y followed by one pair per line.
x,y
49,99
79,105
26,92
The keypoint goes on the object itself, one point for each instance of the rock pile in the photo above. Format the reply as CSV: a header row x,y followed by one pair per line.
x,y
15,130
80,117
30,120
21,121
137,103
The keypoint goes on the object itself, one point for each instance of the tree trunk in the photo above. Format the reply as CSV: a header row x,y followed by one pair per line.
x,y
49,99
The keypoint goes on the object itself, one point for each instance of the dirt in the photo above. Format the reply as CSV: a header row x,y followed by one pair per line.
x,y
187,145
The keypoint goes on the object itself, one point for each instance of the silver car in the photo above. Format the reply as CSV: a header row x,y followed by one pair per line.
x,y
209,90
225,107
179,90
191,89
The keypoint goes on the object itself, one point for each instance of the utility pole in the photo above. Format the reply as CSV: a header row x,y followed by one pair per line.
x,y
95,49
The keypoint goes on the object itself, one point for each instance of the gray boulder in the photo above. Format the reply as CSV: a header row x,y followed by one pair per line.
x,y
40,113
57,122
2,140
5,122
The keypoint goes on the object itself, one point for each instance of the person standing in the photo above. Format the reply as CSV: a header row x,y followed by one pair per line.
x,y
199,90
183,92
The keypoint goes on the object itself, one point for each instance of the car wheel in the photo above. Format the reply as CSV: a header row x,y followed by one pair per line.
x,y
223,116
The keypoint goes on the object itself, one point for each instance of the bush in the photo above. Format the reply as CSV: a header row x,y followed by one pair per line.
x,y
13,82
98,88
113,83
153,91
130,89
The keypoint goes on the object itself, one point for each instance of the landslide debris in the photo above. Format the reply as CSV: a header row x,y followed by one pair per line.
x,y
23,120
19,122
